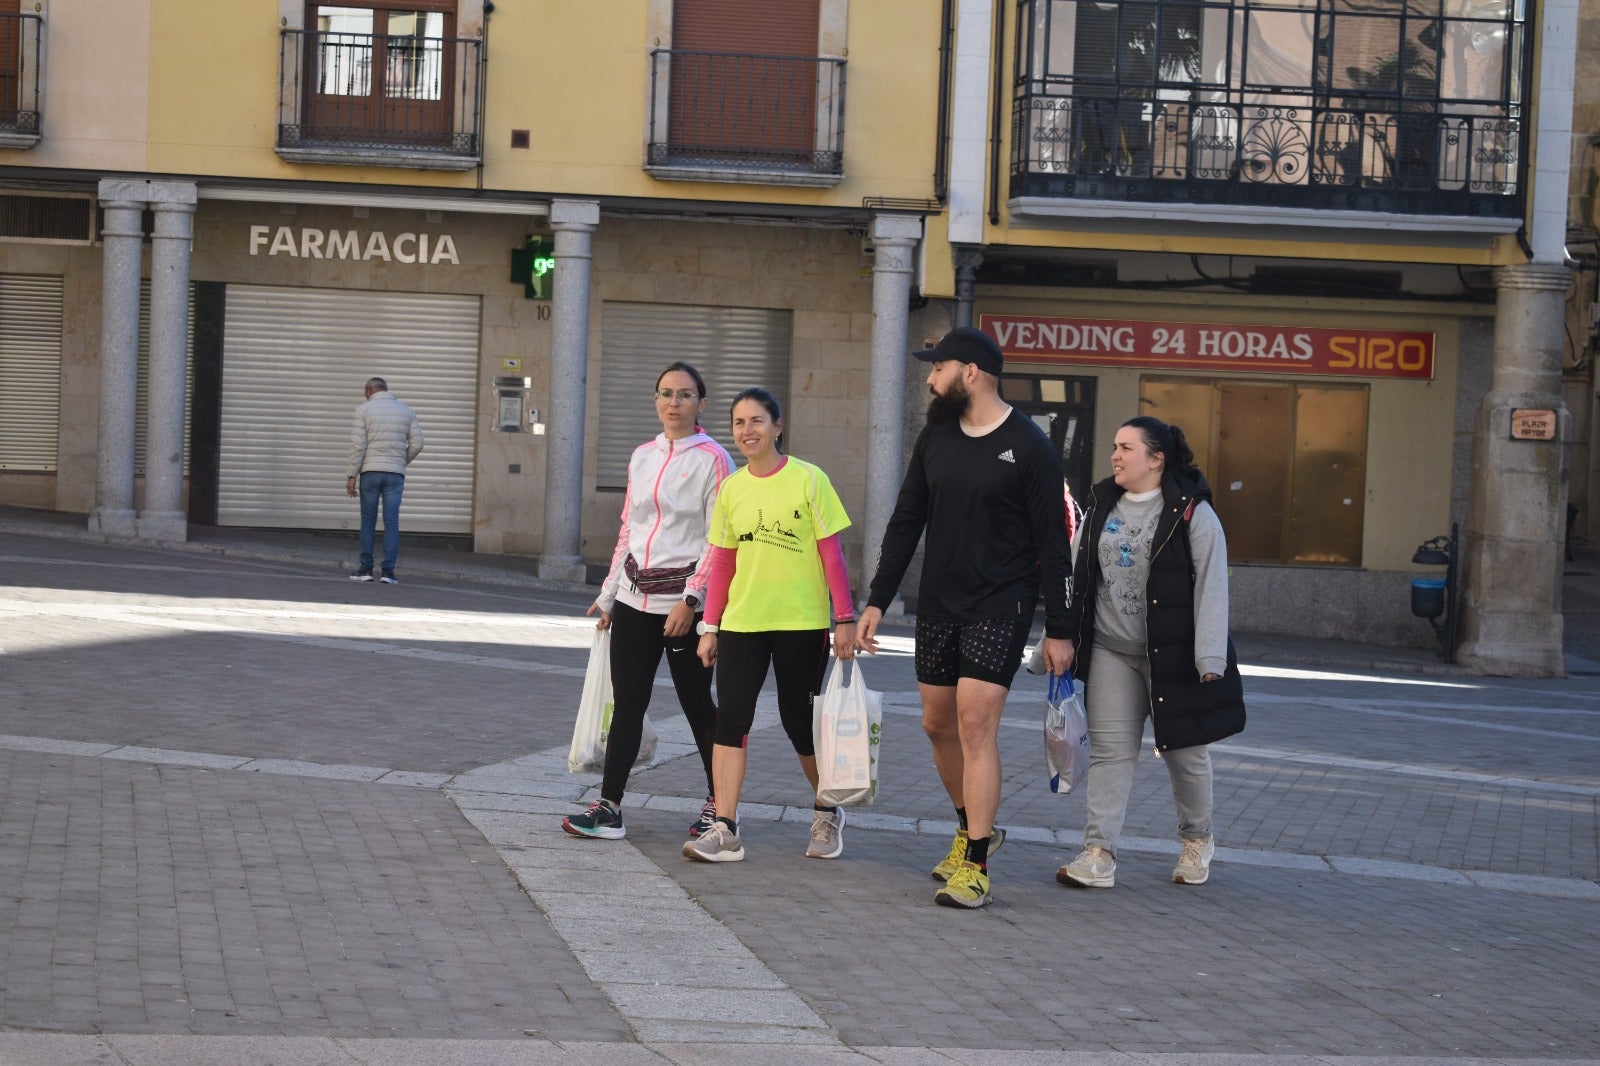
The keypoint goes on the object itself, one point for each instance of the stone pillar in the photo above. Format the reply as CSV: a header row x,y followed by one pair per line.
x,y
1516,513
163,516
894,237
121,256
574,222
967,262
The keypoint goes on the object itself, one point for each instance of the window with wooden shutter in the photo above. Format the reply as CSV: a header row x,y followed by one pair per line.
x,y
744,86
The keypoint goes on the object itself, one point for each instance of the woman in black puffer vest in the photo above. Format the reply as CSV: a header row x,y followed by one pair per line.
x,y
1150,607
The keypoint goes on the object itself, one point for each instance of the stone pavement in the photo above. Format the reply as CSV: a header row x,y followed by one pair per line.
x,y
252,812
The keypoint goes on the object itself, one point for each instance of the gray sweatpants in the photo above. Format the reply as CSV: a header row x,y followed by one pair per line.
x,y
1117,701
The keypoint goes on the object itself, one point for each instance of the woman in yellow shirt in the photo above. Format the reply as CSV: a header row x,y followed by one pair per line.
x,y
776,564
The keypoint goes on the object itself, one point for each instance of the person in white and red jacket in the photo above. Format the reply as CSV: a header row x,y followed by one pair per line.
x,y
655,592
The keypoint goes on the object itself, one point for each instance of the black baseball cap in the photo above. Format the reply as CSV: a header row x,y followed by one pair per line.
x,y
966,344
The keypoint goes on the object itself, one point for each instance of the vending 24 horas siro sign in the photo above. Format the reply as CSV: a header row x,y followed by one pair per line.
x,y
1213,346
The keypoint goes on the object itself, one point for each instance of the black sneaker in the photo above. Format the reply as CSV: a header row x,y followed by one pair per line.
x,y
708,818
600,820
361,575
388,578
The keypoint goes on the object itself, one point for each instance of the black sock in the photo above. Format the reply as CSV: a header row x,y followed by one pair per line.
x,y
824,808
978,851
729,822
961,817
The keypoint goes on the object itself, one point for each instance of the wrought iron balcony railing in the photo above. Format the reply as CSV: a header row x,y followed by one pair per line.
x,y
380,94
21,38
1286,153
734,113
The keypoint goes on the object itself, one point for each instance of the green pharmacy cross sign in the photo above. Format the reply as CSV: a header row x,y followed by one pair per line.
x,y
533,267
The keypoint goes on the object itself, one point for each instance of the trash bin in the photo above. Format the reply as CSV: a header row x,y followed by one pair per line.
x,y
1427,597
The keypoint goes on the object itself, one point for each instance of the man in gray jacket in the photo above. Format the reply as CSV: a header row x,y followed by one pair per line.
x,y
384,440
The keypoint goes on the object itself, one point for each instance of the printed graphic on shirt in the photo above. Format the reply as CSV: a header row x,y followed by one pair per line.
x,y
774,534
1124,556
1007,456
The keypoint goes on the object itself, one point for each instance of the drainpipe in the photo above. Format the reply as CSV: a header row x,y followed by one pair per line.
x,y
941,148
994,125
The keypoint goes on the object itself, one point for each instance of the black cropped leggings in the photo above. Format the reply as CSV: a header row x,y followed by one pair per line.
x,y
637,641
798,658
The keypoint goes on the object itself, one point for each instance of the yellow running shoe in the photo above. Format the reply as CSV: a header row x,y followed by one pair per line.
x,y
958,852
968,887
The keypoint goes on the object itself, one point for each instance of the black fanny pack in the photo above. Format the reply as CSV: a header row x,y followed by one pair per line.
x,y
657,580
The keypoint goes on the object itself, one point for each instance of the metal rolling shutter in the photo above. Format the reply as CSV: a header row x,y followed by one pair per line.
x,y
142,407
294,362
761,27
30,371
732,347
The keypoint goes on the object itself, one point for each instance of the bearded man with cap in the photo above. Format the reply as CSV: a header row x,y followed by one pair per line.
x,y
984,482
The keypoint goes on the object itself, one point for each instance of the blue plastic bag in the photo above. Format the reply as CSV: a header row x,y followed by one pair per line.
x,y
1066,735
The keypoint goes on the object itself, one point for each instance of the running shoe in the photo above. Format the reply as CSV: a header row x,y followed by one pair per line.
x,y
827,834
1194,865
601,820
717,844
361,575
958,852
1093,868
708,815
968,887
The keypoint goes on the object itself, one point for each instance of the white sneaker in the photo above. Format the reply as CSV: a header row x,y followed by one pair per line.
x,y
1093,868
717,844
1194,865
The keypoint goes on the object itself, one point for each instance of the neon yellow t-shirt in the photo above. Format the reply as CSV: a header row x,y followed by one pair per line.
x,y
774,523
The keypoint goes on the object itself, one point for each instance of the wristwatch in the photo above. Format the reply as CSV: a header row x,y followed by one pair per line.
x,y
703,627
692,600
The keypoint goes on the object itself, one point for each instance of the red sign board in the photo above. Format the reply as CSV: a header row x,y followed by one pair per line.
x,y
1213,346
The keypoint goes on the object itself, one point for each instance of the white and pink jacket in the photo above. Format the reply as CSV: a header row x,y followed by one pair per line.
x,y
672,487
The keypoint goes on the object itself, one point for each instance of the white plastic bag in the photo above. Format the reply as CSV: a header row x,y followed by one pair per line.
x,y
847,727
590,732
1066,735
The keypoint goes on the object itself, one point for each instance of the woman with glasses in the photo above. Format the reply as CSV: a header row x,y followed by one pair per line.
x,y
656,589
776,566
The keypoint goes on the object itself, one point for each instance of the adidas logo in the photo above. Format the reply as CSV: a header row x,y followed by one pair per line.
x,y
1007,456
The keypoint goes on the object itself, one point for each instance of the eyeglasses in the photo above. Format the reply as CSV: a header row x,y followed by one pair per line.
x,y
681,395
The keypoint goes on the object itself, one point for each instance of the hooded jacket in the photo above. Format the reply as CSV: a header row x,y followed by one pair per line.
x,y
1185,711
672,487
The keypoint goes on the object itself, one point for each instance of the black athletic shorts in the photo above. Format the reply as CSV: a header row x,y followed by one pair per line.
x,y
987,650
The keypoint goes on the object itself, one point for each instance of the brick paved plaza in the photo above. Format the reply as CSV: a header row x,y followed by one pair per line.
x,y
252,812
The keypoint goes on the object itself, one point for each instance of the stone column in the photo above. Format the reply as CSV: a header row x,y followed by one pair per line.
x,y
163,516
121,255
574,222
967,262
894,237
1516,513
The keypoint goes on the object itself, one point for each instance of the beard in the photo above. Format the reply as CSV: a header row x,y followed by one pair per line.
x,y
949,407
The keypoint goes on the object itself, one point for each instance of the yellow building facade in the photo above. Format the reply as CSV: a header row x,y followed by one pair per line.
x,y
223,218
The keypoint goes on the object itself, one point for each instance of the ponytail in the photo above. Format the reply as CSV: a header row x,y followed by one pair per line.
x,y
1165,440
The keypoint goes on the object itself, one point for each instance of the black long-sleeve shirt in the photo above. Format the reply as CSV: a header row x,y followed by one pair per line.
x,y
995,518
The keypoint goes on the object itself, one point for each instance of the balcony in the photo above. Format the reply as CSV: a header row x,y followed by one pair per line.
x,y
359,99
21,43
755,119
1382,115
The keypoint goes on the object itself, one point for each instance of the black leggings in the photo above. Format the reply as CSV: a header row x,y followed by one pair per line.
x,y
798,658
637,641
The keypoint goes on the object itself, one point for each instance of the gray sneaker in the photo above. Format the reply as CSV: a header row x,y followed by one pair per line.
x,y
1093,868
827,834
717,844
1194,864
